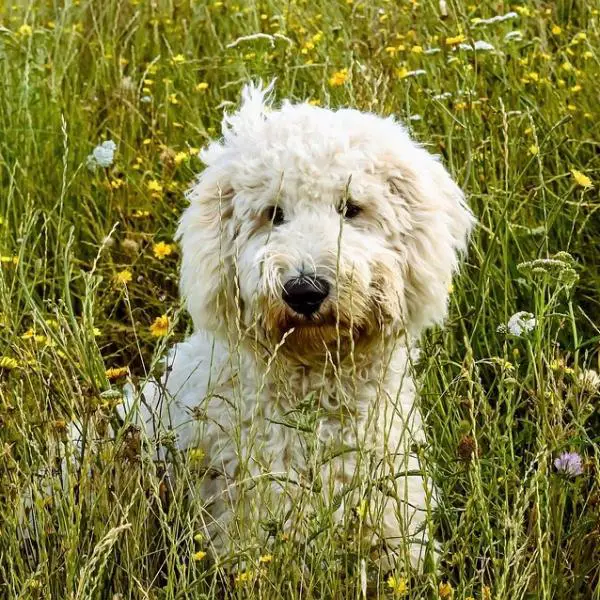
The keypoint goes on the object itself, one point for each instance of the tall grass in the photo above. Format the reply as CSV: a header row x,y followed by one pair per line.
x,y
517,126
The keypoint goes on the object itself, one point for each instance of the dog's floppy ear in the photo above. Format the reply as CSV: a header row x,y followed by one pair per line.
x,y
206,230
206,236
439,222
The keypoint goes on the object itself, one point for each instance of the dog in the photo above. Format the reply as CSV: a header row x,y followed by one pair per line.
x,y
317,245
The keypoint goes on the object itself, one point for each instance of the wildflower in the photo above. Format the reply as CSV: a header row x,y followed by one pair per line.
x,y
589,380
244,577
154,186
202,86
513,36
123,277
173,99
265,558
6,362
569,463
102,155
496,19
315,102
398,585
521,322
178,59
25,30
115,373
417,49
160,326
338,78
445,590
455,40
146,99
581,179
533,150
478,46
161,250
199,555
559,364
180,157
556,30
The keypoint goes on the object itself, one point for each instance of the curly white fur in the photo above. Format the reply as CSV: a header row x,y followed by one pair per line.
x,y
299,417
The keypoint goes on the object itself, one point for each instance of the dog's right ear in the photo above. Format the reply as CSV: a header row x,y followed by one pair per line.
x,y
206,236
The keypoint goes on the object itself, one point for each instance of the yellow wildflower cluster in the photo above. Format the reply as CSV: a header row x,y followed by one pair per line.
x,y
338,78
115,373
160,326
398,585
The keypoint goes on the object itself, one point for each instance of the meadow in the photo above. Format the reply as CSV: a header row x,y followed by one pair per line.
x,y
506,93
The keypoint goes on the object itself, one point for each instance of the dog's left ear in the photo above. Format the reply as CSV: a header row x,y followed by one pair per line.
x,y
438,220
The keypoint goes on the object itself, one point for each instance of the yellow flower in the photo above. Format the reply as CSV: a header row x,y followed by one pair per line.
x,y
397,585
180,157
154,186
199,537
199,555
402,72
581,179
556,30
417,49
161,250
25,30
202,86
123,277
533,150
160,327
265,558
338,78
244,577
115,373
455,40
445,590
314,102
173,99
178,59
6,362
576,88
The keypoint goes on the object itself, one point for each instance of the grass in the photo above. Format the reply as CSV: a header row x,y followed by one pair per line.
x,y
82,281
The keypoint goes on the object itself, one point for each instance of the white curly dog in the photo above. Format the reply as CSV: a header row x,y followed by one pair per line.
x,y
316,245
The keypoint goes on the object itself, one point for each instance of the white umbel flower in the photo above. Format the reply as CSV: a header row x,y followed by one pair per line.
x,y
520,323
102,155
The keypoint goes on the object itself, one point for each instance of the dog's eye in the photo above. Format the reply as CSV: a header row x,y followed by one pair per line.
x,y
349,209
275,215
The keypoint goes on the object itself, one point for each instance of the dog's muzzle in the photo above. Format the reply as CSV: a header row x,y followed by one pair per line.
x,y
305,295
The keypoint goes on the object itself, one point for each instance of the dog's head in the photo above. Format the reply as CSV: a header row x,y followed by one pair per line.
x,y
313,224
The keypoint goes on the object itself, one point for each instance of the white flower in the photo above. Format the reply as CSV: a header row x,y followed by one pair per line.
x,y
521,322
478,45
497,19
146,99
442,96
513,36
416,73
589,380
102,155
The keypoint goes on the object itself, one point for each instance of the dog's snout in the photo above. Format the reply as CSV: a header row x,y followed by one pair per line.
x,y
305,295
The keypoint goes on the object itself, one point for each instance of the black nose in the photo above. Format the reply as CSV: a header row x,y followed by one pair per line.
x,y
305,294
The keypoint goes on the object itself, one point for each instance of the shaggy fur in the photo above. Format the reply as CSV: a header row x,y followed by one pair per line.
x,y
299,416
